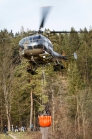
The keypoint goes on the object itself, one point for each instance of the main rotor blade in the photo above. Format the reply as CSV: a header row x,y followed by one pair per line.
x,y
45,11
64,31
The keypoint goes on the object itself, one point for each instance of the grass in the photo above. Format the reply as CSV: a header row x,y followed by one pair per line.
x,y
27,135
4,136
21,135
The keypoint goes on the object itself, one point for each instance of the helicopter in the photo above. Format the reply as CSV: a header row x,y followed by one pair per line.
x,y
38,49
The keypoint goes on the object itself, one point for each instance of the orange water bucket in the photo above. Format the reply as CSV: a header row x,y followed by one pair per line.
x,y
44,121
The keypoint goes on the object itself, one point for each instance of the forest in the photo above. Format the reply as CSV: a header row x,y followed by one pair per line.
x,y
66,93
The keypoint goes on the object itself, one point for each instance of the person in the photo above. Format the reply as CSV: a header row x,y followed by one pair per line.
x,y
32,127
22,129
16,129
12,128
5,130
48,112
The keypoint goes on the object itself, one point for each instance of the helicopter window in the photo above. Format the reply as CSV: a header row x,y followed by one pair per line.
x,y
30,47
21,42
39,37
36,38
30,38
27,38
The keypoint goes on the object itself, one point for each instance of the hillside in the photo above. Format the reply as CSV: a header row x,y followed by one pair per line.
x,y
66,93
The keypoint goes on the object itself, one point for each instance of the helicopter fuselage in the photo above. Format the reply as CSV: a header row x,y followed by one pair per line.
x,y
35,45
38,50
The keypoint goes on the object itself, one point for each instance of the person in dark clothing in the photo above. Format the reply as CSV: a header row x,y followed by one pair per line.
x,y
48,112
5,130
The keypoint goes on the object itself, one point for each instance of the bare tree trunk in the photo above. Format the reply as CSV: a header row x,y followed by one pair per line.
x,y
53,111
31,109
84,137
8,118
75,126
83,123
1,117
34,118
78,116
7,105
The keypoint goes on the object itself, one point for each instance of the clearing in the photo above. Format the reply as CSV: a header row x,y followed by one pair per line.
x,y
21,135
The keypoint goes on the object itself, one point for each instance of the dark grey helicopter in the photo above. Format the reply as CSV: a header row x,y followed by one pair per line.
x,y
38,49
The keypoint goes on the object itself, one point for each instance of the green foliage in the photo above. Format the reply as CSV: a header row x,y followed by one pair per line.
x,y
75,93
74,78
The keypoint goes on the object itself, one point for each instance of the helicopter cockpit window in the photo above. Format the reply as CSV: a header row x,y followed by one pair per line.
x,y
39,37
27,38
36,38
21,42
30,38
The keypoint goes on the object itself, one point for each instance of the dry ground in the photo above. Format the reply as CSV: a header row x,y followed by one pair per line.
x,y
21,135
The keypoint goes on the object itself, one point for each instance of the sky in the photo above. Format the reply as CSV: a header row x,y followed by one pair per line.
x,y
63,15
